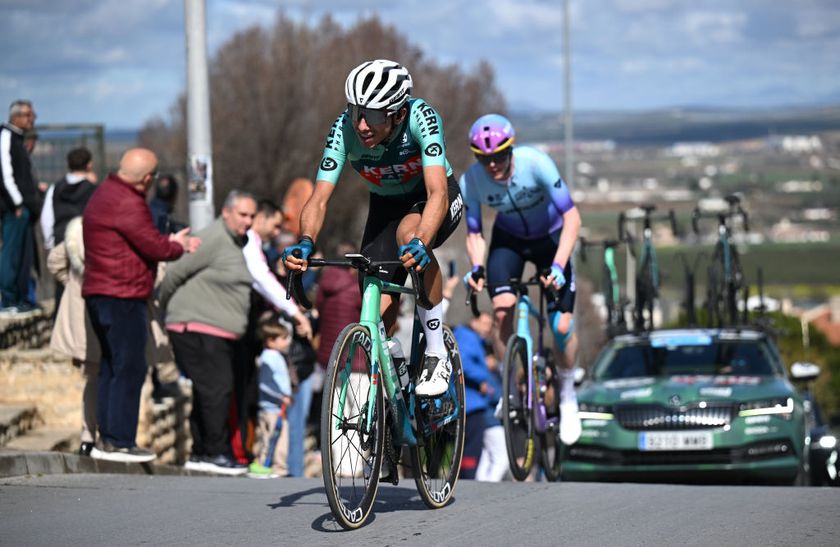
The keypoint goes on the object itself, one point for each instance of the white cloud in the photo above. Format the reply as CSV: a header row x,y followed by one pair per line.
x,y
707,27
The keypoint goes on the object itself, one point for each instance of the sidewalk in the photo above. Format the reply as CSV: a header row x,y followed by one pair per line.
x,y
15,463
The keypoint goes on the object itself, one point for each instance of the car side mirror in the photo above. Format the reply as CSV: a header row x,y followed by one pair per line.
x,y
579,375
804,372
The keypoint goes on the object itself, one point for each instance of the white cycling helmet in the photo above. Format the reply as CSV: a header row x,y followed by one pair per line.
x,y
379,85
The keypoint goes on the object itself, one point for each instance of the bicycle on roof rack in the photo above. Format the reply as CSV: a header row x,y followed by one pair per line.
x,y
647,273
725,278
370,409
613,302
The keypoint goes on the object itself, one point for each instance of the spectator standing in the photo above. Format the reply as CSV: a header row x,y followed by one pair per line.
x,y
270,295
122,248
477,387
67,198
20,206
207,296
163,204
275,388
73,333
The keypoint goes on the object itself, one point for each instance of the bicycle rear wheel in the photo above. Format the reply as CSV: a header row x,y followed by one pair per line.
x,y
645,294
351,445
516,413
610,302
436,459
551,447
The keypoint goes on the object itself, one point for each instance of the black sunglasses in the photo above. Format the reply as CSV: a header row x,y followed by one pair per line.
x,y
371,116
497,158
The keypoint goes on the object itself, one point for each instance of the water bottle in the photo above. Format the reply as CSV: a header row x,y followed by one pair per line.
x,y
539,361
400,364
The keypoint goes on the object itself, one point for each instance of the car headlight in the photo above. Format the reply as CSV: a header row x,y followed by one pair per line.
x,y
589,411
782,406
828,442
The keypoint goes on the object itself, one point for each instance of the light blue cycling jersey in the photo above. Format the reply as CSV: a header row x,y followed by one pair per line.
x,y
395,167
530,205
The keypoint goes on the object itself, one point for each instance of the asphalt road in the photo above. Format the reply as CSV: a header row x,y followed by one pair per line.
x,y
160,510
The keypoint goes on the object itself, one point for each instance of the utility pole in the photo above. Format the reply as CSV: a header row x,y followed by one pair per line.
x,y
567,98
199,141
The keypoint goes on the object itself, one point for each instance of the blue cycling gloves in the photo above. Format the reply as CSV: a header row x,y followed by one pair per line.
x,y
306,247
557,274
417,249
476,274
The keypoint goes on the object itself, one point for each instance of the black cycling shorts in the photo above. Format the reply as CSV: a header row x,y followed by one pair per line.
x,y
507,257
384,216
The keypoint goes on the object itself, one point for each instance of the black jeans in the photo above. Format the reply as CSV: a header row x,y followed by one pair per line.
x,y
208,361
121,326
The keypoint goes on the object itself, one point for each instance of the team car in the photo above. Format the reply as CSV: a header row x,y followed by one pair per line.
x,y
691,404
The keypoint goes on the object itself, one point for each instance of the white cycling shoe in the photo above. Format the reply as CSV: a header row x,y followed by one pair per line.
x,y
570,428
434,379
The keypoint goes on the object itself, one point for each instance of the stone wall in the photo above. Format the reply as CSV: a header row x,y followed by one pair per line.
x,y
48,381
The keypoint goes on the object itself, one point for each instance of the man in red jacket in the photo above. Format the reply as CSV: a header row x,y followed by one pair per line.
x,y
122,249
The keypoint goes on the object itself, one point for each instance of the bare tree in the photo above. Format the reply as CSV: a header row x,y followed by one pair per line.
x,y
276,91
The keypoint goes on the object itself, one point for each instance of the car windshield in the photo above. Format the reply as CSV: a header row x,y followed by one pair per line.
x,y
719,357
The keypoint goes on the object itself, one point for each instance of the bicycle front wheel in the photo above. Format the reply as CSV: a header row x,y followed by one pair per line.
x,y
518,392
436,459
352,433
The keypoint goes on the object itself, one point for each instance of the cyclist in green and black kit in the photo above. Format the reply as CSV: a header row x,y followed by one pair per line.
x,y
396,143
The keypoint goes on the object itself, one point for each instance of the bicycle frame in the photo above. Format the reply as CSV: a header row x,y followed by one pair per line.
x,y
382,367
524,310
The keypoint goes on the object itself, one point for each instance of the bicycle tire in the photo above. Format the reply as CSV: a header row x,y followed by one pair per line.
x,y
551,447
717,278
517,419
644,297
436,459
734,285
351,462
609,302
715,318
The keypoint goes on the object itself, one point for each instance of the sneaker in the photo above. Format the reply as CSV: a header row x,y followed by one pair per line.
x,y
223,465
109,452
9,312
570,428
434,379
194,463
258,471
85,449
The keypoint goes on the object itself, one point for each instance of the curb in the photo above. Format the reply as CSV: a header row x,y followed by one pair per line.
x,y
18,464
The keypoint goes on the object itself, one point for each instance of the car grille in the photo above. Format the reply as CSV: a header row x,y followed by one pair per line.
x,y
654,417
763,450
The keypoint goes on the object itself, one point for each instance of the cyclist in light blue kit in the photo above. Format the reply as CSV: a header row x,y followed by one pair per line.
x,y
537,221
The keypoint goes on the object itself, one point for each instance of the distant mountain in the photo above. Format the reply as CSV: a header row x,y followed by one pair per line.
x,y
664,126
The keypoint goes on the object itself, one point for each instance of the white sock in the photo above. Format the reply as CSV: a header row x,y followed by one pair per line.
x,y
433,328
567,390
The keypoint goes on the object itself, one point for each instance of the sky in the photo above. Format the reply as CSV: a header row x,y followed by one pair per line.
x,y
123,62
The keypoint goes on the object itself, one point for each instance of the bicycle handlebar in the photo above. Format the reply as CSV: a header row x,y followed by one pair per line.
x,y
647,218
294,285
735,210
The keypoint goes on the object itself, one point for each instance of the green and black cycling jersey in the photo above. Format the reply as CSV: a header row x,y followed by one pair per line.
x,y
395,167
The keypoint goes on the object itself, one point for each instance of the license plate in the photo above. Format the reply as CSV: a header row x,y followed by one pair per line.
x,y
675,440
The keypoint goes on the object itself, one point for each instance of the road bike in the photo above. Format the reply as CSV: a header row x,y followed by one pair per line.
x,y
613,302
725,279
370,409
647,274
530,388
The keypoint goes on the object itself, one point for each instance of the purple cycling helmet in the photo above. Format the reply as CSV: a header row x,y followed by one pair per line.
x,y
490,134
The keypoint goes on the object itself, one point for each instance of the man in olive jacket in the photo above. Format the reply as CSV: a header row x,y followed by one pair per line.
x,y
207,296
